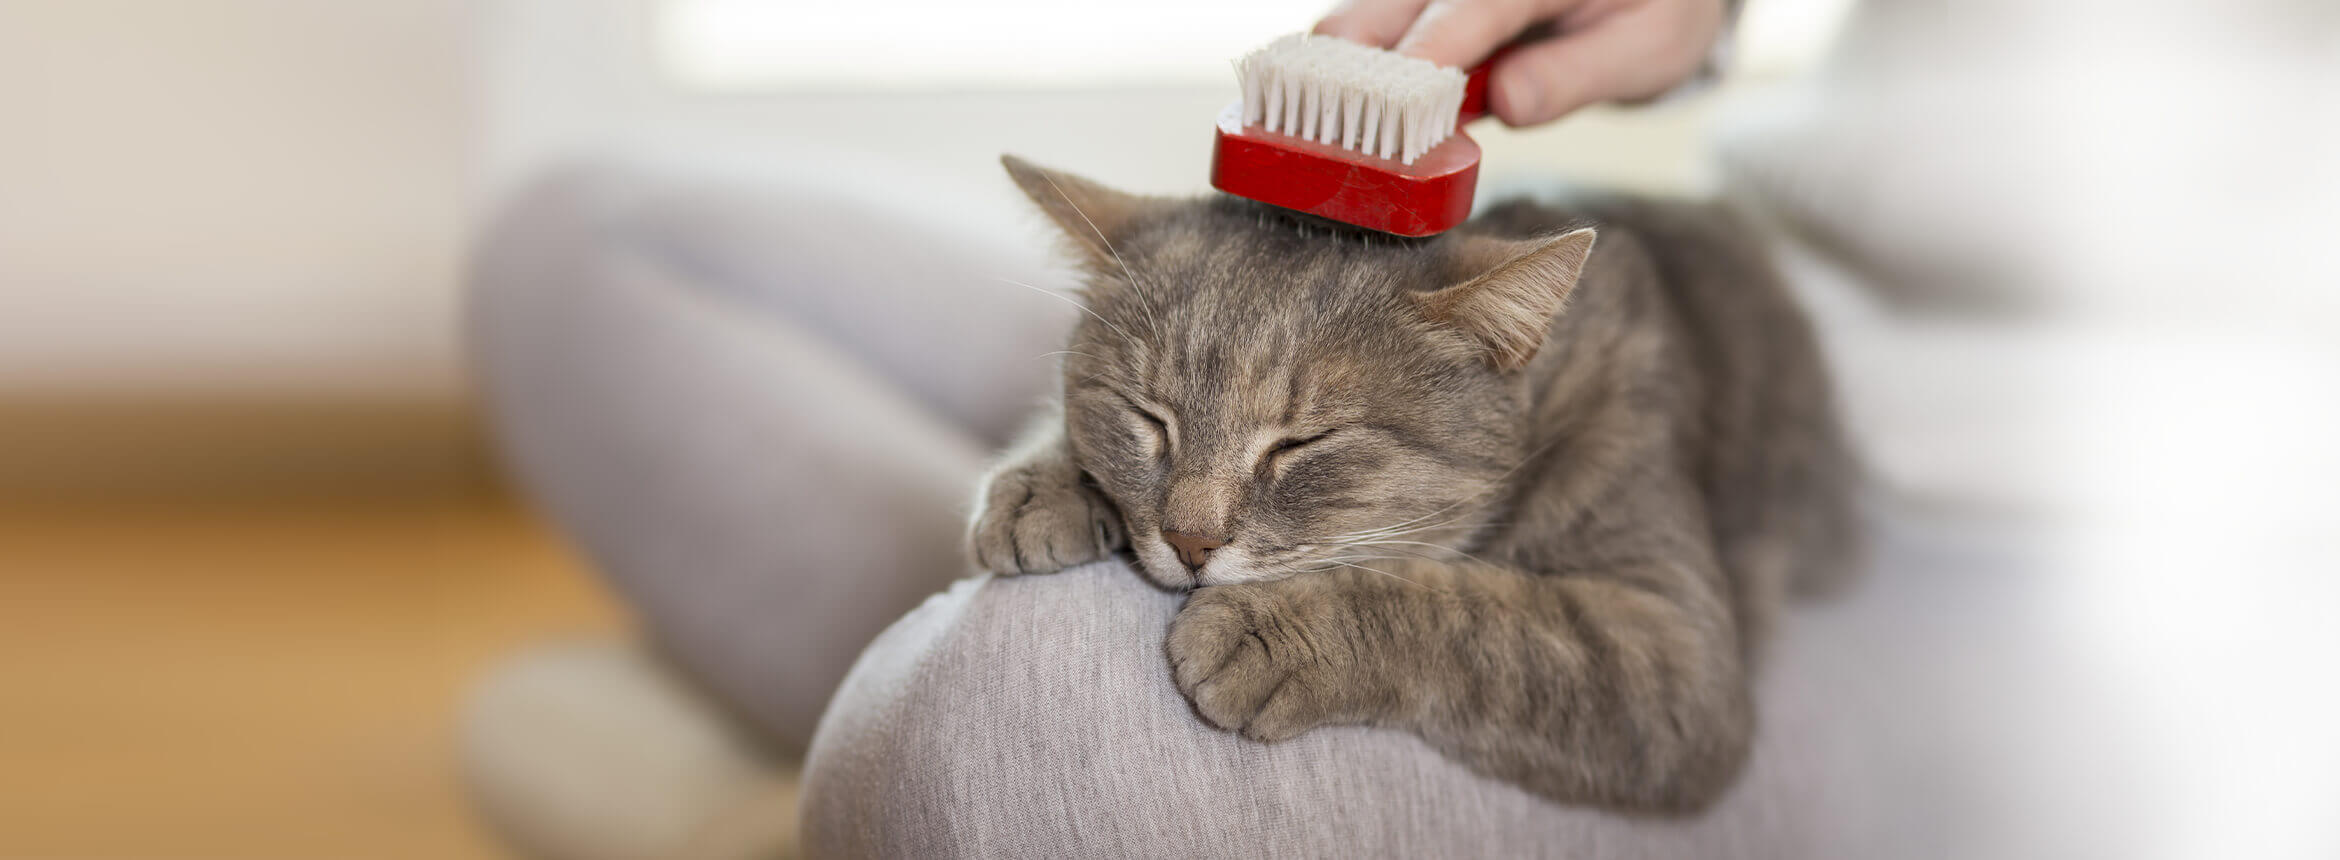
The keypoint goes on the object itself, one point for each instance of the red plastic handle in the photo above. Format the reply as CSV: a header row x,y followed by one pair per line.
x,y
1428,196
1425,198
1474,103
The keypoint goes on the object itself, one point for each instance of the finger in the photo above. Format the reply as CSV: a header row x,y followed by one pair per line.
x,y
1370,22
1635,54
1460,33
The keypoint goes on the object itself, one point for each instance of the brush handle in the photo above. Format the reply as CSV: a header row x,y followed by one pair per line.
x,y
1475,103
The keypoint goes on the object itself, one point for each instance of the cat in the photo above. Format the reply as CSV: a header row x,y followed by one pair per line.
x,y
1531,489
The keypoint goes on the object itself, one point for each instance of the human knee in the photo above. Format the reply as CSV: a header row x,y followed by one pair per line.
x,y
996,697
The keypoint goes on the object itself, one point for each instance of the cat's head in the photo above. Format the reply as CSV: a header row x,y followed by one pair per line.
x,y
1263,397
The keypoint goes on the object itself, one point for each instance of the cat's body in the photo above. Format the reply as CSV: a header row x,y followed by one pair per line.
x,y
1415,493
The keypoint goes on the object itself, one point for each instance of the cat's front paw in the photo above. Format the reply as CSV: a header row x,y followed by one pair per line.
x,y
1265,660
1041,518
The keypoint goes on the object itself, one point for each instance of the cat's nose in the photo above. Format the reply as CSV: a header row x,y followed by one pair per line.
x,y
1193,549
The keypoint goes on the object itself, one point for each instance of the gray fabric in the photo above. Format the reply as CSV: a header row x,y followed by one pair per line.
x,y
1035,717
710,388
760,411
592,749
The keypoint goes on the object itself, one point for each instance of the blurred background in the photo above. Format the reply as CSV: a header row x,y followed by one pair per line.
x,y
2077,262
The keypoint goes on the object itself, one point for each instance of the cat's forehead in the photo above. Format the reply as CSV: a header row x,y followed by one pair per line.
x,y
1225,302
1211,249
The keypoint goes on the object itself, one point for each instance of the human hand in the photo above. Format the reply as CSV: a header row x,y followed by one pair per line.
x,y
1603,50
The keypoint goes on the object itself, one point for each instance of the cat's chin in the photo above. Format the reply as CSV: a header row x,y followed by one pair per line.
x,y
1232,564
1175,579
1161,566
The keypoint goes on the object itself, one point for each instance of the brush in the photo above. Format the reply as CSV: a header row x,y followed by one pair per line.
x,y
1353,133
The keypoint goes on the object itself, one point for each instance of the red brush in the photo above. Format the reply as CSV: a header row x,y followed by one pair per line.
x,y
1352,133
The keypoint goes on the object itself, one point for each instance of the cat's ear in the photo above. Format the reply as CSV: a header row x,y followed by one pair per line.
x,y
1090,214
1519,286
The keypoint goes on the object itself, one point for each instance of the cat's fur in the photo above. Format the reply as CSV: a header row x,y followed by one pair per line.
x,y
1545,540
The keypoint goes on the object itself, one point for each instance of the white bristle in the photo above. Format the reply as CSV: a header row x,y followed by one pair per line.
x,y
1291,86
1328,126
1308,97
1359,98
1251,94
1352,110
1388,134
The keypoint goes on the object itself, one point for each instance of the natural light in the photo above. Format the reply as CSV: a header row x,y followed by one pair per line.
x,y
768,44
757,45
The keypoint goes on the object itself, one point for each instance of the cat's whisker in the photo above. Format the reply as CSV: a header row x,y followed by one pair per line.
x,y
1459,521
1393,527
1070,301
1067,352
1401,530
1144,301
1440,547
1387,574
1406,530
1439,553
1350,560
1294,565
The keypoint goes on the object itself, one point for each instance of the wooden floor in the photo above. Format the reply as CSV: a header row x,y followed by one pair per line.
x,y
259,679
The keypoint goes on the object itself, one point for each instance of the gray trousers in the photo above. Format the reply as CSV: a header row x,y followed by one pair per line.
x,y
1034,717
761,412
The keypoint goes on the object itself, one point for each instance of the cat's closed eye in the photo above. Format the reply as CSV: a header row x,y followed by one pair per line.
x,y
1285,447
1159,426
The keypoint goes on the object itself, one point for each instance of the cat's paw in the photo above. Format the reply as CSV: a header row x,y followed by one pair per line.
x,y
1262,660
1041,518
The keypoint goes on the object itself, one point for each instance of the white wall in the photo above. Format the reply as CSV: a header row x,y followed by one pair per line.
x,y
231,194
275,196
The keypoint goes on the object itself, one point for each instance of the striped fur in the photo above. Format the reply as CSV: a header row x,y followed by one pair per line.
x,y
1545,540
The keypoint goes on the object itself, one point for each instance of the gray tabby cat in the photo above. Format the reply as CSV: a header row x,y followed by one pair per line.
x,y
1531,501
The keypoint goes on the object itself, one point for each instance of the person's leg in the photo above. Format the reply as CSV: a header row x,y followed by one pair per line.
x,y
593,749
767,491
936,289
1035,717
